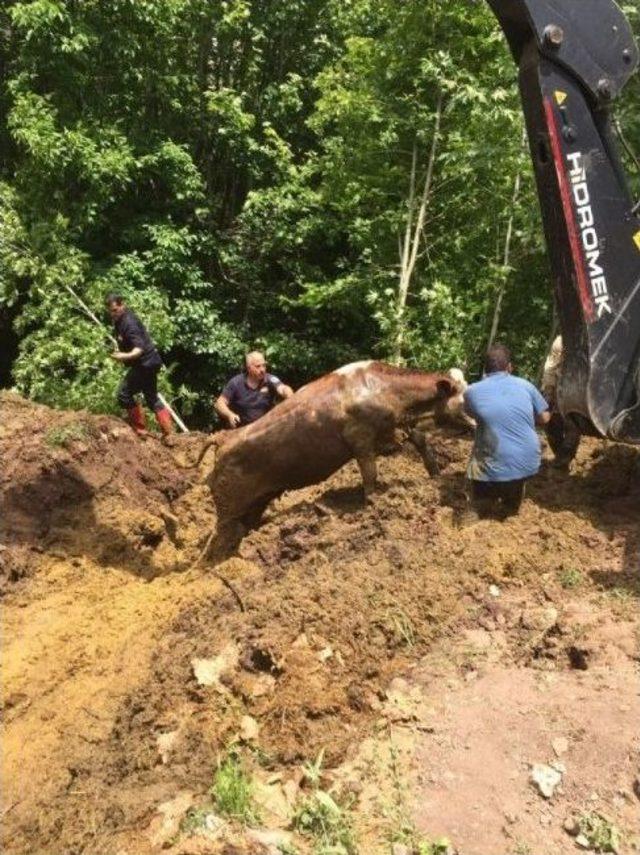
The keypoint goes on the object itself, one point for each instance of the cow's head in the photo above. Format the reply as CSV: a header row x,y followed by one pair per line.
x,y
449,408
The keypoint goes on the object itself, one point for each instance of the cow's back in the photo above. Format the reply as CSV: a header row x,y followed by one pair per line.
x,y
298,443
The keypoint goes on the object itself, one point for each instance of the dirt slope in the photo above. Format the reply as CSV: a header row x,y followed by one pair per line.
x,y
127,674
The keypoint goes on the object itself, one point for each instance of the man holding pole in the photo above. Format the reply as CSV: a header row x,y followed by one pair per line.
x,y
137,350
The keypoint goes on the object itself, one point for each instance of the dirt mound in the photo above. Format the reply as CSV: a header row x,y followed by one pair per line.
x,y
84,485
126,683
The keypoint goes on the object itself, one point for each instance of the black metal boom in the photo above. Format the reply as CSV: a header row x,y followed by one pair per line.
x,y
574,58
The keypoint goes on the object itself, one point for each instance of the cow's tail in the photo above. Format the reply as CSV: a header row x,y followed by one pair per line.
x,y
214,441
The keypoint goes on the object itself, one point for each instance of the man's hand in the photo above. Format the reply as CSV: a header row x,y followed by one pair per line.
x,y
134,354
225,412
283,391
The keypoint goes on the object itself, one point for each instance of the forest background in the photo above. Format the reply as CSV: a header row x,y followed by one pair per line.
x,y
326,180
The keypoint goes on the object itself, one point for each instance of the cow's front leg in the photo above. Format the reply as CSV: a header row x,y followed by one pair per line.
x,y
361,438
418,439
369,472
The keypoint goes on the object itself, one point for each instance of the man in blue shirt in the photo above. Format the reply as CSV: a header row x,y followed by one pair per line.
x,y
250,395
506,450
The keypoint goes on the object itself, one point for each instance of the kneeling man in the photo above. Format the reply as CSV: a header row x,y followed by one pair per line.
x,y
506,451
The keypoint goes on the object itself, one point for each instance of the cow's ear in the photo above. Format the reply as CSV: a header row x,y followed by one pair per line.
x,y
445,388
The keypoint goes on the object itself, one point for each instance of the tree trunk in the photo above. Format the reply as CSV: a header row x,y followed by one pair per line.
x,y
506,257
413,234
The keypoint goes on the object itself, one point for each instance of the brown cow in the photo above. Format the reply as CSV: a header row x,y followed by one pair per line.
x,y
350,413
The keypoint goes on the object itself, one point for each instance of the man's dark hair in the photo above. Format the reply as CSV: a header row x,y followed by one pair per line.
x,y
110,299
498,358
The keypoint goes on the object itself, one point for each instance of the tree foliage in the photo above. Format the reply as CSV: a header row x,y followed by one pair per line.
x,y
241,172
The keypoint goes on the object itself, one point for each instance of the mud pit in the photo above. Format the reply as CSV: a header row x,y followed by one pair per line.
x,y
432,666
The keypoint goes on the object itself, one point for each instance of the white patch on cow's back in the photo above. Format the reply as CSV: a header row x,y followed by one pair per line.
x,y
354,366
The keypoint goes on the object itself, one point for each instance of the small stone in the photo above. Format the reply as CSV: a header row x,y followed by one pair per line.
x,y
571,826
166,823
213,824
208,671
165,743
494,590
271,839
545,778
540,619
478,639
560,746
249,729
583,841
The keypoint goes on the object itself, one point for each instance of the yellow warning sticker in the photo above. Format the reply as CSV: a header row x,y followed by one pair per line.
x,y
561,97
636,238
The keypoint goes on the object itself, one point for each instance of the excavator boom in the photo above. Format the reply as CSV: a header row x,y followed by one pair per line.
x,y
574,58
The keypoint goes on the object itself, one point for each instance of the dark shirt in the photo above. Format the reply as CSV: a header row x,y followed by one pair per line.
x,y
250,403
130,332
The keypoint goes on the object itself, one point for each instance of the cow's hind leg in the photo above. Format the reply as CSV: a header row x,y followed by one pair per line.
x,y
253,516
227,539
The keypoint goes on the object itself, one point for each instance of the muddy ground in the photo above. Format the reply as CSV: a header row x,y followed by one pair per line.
x,y
430,668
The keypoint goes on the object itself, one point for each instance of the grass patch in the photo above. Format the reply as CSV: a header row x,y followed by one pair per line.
x,y
402,629
571,578
600,833
62,436
319,816
195,820
403,829
232,790
322,818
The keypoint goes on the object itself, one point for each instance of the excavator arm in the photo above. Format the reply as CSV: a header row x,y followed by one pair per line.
x,y
574,58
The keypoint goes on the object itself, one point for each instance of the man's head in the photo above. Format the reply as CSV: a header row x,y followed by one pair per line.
x,y
256,366
498,358
115,305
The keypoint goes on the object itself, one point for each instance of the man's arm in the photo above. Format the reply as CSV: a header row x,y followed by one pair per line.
x,y
284,391
225,412
131,336
541,411
130,356
467,407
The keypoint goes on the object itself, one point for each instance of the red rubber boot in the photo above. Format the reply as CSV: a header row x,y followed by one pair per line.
x,y
136,419
163,418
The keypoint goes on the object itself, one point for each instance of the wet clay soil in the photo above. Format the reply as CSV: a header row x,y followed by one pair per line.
x,y
108,628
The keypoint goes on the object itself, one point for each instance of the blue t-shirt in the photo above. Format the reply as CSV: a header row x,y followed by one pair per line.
x,y
506,446
250,404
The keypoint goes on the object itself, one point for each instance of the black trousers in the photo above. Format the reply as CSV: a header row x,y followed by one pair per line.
x,y
506,496
140,379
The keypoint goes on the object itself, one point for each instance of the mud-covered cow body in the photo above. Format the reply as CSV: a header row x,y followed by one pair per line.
x,y
350,413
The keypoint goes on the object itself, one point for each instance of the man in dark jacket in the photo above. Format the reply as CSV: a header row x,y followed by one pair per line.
x,y
137,350
250,395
